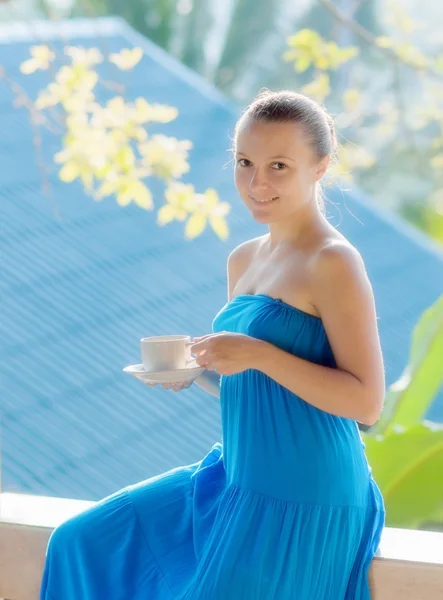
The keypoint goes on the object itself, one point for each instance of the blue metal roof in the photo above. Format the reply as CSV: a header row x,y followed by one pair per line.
x,y
83,281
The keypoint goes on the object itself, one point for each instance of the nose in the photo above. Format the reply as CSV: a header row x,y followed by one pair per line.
x,y
258,182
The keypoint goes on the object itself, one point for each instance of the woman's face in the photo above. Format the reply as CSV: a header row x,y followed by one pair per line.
x,y
275,169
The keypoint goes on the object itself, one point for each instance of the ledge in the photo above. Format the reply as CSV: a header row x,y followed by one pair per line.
x,y
408,564
26,523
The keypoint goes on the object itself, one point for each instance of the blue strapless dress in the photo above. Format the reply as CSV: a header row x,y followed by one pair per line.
x,y
285,509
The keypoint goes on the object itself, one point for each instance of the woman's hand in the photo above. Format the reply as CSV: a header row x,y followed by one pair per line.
x,y
225,352
176,386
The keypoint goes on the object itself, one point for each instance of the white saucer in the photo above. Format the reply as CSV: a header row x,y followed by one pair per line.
x,y
190,372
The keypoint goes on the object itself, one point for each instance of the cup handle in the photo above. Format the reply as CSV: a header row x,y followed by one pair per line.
x,y
191,357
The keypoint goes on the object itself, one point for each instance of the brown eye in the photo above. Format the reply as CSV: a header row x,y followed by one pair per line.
x,y
242,161
281,166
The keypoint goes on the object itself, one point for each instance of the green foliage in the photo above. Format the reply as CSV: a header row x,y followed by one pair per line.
x,y
410,397
408,465
388,129
405,452
309,49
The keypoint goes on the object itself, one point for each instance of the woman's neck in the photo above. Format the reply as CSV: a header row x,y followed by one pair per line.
x,y
297,230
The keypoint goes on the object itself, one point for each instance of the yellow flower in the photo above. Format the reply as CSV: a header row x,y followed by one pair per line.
x,y
127,188
133,189
352,99
308,48
87,150
351,156
126,59
73,88
178,196
159,113
118,116
74,166
319,88
166,157
41,58
48,97
183,202
85,56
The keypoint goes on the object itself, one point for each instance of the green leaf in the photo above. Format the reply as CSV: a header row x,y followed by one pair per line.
x,y
407,466
408,399
436,518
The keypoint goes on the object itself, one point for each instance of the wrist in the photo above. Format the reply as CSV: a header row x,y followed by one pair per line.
x,y
260,354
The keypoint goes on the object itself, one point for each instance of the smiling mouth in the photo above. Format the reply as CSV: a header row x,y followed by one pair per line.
x,y
264,200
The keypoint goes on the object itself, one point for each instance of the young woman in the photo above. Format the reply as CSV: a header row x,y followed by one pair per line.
x,y
287,507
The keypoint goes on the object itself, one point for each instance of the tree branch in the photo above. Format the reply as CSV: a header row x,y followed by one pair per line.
x,y
367,37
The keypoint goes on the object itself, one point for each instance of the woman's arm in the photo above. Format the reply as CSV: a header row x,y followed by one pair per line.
x,y
236,264
333,390
209,381
343,296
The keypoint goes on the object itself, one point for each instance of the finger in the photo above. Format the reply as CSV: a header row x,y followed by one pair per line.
x,y
203,341
202,337
204,361
195,340
199,346
201,360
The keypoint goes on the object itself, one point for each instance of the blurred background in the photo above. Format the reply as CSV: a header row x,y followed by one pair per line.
x,y
393,122
110,109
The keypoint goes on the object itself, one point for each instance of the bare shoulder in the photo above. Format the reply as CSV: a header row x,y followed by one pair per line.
x,y
337,258
339,278
240,258
343,296
241,255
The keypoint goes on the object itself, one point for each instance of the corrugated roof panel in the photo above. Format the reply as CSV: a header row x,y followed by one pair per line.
x,y
83,281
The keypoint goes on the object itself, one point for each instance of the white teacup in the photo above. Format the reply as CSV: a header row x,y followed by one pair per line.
x,y
165,352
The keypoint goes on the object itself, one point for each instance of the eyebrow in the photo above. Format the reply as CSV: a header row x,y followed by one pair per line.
x,y
271,157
